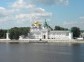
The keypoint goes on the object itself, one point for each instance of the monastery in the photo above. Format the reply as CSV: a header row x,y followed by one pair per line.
x,y
39,31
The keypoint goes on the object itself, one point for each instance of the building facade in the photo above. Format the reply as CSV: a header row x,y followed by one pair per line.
x,y
38,31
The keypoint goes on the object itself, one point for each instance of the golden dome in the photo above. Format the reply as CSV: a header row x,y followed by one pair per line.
x,y
36,24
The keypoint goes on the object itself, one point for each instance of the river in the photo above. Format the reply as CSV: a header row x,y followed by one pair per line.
x,y
41,52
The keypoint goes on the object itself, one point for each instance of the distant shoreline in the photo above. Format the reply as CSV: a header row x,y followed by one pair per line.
x,y
41,41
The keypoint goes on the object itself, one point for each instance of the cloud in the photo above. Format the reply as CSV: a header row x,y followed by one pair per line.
x,y
2,8
51,2
20,11
39,10
69,24
33,16
21,4
82,17
6,15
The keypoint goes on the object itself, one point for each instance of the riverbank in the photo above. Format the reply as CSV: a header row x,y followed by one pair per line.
x,y
41,41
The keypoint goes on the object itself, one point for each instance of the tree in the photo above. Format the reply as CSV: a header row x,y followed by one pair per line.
x,y
75,31
24,30
16,32
2,33
59,28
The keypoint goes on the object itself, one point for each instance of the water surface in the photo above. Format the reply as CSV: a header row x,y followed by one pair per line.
x,y
41,52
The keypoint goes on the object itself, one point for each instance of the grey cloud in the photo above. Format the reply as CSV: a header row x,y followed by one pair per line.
x,y
21,11
82,17
51,2
70,24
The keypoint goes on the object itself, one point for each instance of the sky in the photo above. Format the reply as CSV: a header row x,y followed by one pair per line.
x,y
22,13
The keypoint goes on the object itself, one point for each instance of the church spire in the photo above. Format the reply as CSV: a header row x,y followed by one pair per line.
x,y
45,24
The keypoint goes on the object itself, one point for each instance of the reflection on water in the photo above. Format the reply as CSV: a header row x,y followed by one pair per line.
x,y
78,53
41,52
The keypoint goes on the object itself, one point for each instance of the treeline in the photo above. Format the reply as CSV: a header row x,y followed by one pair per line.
x,y
2,33
15,32
76,32
60,28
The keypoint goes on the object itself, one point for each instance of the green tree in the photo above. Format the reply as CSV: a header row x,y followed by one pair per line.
x,y
59,28
2,33
75,31
16,32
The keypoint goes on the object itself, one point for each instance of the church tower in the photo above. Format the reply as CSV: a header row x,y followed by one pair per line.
x,y
46,25
36,26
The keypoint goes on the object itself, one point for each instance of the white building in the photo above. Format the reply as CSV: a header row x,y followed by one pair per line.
x,y
38,31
